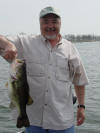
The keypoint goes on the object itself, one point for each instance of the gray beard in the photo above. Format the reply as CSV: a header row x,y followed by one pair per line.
x,y
50,37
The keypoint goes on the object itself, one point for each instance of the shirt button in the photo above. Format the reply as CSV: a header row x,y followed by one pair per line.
x,y
46,90
48,77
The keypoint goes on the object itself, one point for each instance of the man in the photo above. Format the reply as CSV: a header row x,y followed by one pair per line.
x,y
53,64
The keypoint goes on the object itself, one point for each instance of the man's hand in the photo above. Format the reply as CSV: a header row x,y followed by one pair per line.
x,y
80,93
7,49
80,116
10,54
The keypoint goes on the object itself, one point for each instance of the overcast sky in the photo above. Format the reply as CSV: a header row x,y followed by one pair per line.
x,y
78,16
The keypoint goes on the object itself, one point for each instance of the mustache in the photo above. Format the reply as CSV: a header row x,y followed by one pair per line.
x,y
50,29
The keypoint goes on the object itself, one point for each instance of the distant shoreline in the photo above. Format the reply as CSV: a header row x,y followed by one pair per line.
x,y
82,41
82,38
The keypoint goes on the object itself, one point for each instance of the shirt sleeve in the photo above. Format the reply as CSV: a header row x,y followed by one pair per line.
x,y
76,69
16,41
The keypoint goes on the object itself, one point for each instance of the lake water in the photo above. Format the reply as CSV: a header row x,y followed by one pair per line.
x,y
90,54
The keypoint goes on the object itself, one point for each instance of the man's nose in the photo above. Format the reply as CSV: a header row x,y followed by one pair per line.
x,y
50,25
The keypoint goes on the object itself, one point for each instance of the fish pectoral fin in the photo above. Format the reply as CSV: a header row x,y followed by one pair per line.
x,y
11,105
30,101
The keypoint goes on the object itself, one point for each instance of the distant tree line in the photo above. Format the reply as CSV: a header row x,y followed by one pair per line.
x,y
81,38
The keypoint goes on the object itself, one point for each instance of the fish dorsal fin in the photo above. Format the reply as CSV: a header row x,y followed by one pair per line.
x,y
30,101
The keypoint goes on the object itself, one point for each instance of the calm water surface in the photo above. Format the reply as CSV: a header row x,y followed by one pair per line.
x,y
90,54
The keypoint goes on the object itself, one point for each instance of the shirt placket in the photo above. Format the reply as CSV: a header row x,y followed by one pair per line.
x,y
48,82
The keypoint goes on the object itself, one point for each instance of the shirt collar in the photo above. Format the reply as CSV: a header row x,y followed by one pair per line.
x,y
45,40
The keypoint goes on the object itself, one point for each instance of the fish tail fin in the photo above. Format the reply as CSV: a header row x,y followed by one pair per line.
x,y
22,121
30,101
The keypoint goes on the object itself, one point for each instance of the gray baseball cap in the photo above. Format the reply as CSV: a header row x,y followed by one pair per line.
x,y
49,10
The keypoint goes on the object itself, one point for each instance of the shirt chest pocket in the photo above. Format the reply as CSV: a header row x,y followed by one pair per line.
x,y
35,68
62,69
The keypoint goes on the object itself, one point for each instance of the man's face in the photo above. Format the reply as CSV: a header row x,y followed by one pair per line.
x,y
50,26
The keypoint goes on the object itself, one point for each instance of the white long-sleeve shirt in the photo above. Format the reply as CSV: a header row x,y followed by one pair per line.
x,y
50,73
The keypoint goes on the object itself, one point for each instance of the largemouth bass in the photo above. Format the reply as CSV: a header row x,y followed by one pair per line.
x,y
19,91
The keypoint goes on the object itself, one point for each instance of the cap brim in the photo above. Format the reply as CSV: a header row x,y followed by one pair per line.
x,y
44,15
